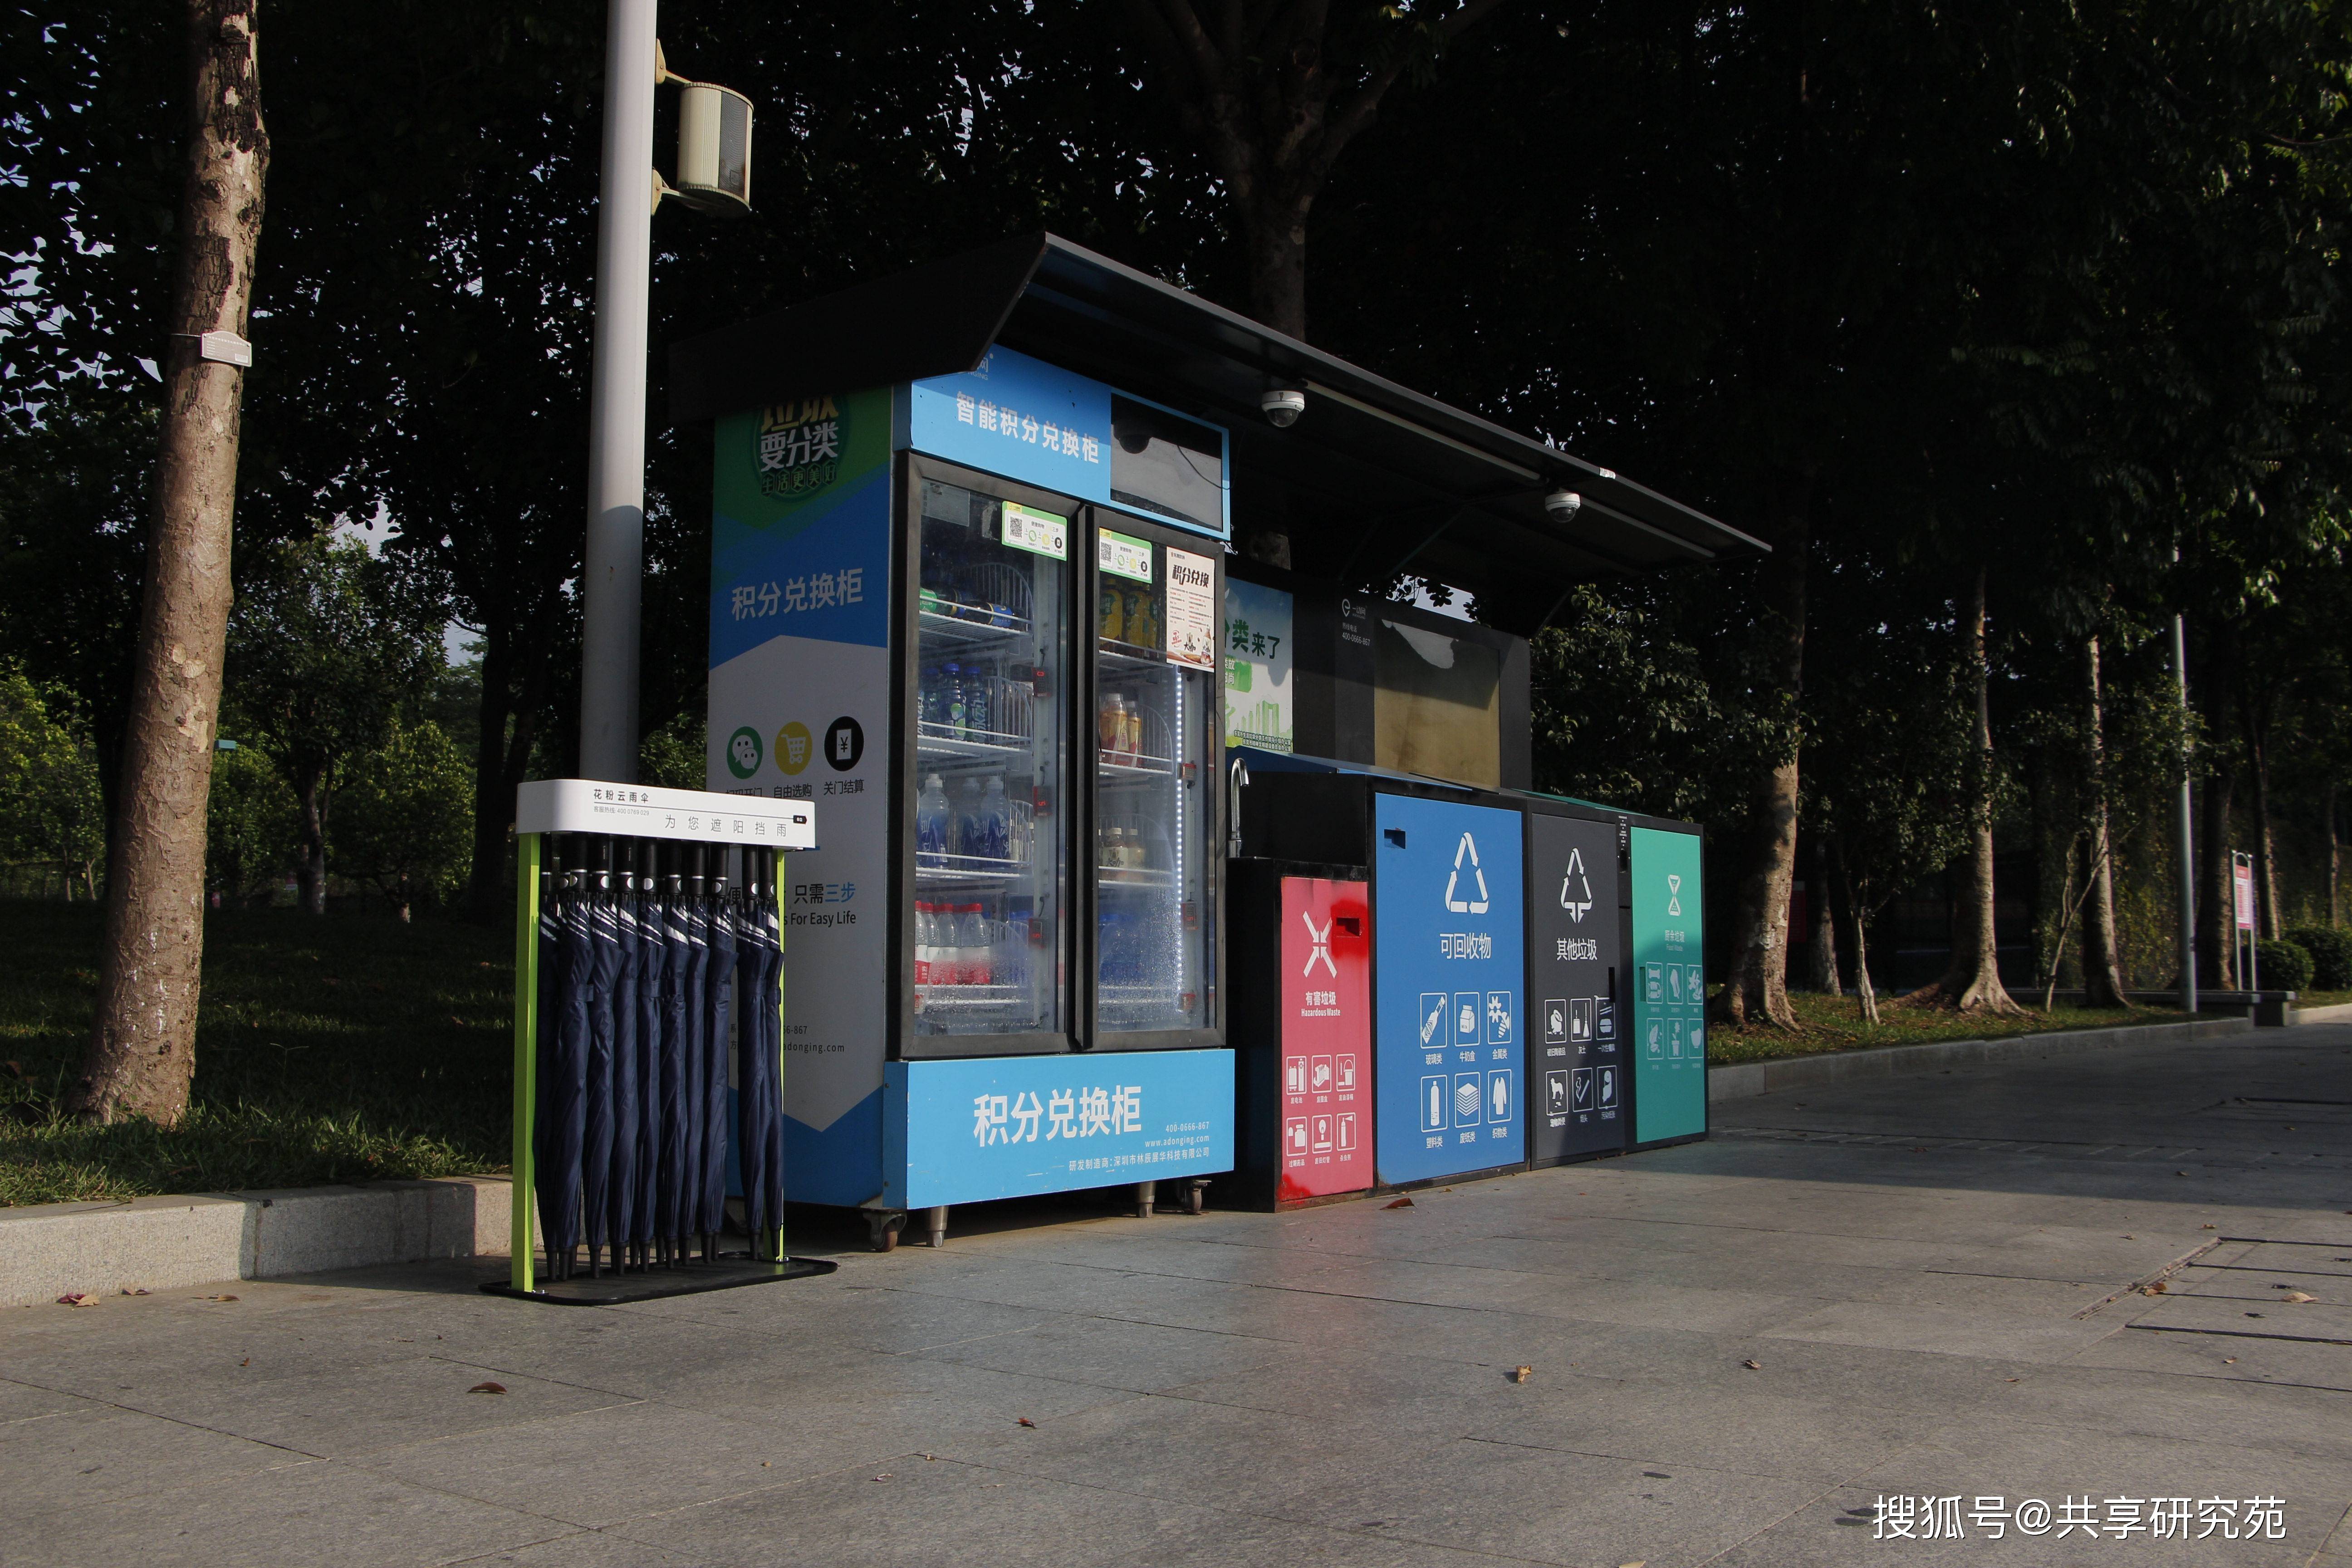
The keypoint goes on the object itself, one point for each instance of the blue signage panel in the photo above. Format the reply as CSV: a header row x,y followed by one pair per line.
x,y
1447,932
1037,423
1020,417
1004,1127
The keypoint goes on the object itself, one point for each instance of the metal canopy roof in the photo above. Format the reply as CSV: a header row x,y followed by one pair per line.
x,y
1374,479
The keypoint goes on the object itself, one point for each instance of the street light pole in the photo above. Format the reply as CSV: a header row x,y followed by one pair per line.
x,y
2185,839
612,587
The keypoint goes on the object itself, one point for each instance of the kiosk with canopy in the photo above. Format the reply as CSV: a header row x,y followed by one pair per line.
x,y
1033,573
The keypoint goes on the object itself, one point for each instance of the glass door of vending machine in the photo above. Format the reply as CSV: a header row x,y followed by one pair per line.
x,y
1156,824
988,680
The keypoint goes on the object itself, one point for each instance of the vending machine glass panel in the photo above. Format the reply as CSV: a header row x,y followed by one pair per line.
x,y
991,651
1156,739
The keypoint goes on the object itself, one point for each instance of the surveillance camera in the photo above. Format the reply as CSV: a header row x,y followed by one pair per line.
x,y
1563,504
1283,405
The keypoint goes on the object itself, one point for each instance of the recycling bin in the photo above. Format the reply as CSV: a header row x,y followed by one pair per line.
x,y
1578,974
1447,935
1300,945
1669,942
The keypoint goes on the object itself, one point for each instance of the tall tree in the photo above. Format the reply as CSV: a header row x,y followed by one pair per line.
x,y
2103,977
143,1045
325,651
1274,93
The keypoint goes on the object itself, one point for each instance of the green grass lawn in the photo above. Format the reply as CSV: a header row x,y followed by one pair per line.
x,y
1835,1024
347,1048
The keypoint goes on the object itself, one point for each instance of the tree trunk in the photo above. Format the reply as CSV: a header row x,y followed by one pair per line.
x,y
1274,229
1821,938
310,876
1972,982
2103,975
1857,923
2217,897
142,1056
1756,984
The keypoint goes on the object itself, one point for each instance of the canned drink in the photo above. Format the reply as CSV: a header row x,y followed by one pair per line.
x,y
1142,619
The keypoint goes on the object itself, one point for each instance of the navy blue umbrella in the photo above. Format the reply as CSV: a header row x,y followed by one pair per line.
x,y
758,1138
603,980
621,1190
567,1079
718,982
652,948
551,991
696,910
677,1104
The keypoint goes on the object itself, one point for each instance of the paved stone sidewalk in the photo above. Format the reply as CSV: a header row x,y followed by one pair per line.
x,y
1934,1278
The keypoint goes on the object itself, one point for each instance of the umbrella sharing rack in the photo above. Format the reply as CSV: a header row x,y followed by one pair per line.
x,y
648,1074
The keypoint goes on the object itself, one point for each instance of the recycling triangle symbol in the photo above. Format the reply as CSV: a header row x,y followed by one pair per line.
x,y
1476,906
1673,894
1581,905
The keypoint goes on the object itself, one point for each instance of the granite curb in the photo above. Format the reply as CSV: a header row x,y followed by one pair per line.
x,y
49,1250
1746,1080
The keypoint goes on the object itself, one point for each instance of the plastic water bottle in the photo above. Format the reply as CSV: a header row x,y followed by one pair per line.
x,y
928,698
1010,961
971,838
978,709
922,953
996,822
931,824
953,714
971,943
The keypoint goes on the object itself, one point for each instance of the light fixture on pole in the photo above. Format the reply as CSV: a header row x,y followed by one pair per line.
x,y
714,175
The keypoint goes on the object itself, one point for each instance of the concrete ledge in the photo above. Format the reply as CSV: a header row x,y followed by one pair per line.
x,y
2339,1013
55,1249
1746,1080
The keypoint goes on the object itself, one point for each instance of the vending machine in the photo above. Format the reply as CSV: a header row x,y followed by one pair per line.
x,y
977,617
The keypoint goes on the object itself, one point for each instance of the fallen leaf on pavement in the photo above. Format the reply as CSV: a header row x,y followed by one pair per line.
x,y
884,1476
2208,1227
127,1291
1026,1422
215,1297
1753,1366
2298,1296
2229,1361
1521,1373
78,1299
1400,1204
247,1361
2155,1289
488,1389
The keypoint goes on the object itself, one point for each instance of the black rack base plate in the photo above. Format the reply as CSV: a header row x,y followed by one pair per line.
x,y
659,1284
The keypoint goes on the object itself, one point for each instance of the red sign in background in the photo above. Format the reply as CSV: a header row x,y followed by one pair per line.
x,y
1327,1037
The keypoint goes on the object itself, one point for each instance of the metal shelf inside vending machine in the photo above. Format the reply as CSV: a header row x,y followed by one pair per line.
x,y
974,631
969,871
936,739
